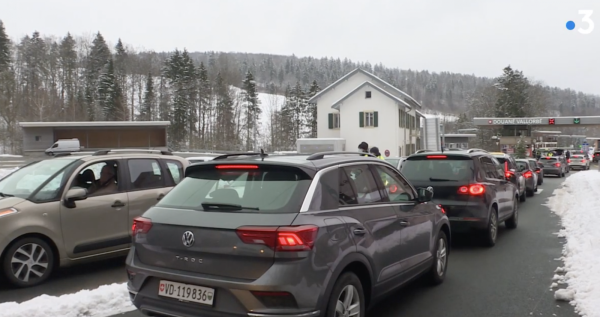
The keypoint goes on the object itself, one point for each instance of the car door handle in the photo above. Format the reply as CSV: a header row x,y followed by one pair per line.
x,y
359,231
160,196
118,203
404,223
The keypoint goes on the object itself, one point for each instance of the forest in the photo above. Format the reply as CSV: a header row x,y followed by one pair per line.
x,y
211,98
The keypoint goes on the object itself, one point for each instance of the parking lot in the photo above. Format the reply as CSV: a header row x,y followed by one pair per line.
x,y
511,279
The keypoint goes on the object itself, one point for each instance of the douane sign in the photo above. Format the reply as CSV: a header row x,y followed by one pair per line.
x,y
516,121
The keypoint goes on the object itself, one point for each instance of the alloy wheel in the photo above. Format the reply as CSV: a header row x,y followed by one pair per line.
x,y
29,262
348,303
442,257
493,226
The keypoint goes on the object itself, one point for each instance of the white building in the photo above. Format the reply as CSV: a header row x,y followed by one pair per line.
x,y
361,107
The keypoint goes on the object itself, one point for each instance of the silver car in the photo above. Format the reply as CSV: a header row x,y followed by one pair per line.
x,y
579,162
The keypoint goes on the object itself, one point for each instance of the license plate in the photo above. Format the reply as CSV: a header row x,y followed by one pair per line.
x,y
186,292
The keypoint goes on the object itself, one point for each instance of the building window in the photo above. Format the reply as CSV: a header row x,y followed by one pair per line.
x,y
334,121
368,119
367,94
37,137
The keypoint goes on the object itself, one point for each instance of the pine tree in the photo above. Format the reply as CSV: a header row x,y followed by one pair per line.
x,y
311,113
110,96
149,101
5,49
97,62
224,132
121,57
204,104
513,100
252,110
68,76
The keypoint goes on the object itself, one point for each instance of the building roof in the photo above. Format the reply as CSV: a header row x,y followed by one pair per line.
x,y
336,105
90,124
382,83
460,135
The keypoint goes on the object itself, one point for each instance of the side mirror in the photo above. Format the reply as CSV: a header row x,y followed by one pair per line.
x,y
425,194
76,193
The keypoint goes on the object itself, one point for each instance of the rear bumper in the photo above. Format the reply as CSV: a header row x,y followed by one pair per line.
x,y
552,171
467,217
578,165
233,297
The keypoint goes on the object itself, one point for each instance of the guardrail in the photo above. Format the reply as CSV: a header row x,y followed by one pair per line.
x,y
11,161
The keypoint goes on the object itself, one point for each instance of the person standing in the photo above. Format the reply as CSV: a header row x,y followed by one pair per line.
x,y
364,147
375,151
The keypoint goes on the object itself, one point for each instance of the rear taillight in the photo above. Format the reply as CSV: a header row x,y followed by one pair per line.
x,y
508,175
442,209
528,174
140,225
568,160
583,161
538,171
557,164
473,189
300,238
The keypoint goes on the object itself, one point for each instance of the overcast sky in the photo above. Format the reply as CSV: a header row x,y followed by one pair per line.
x,y
463,36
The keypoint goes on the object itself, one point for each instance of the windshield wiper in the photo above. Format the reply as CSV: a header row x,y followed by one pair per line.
x,y
440,179
6,195
226,206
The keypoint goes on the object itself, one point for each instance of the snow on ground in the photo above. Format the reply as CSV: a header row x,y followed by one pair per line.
x,y
577,205
104,301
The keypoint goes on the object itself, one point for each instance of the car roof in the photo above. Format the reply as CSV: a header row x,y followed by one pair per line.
x,y
452,153
117,155
299,160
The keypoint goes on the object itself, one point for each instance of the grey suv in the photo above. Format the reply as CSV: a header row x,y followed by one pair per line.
x,y
73,209
257,235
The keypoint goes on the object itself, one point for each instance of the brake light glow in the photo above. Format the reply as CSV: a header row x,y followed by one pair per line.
x,y
473,189
253,167
508,174
538,171
442,209
568,160
528,174
140,225
437,156
557,164
298,238
582,160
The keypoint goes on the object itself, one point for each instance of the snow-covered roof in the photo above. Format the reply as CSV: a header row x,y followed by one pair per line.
x,y
86,124
336,105
419,114
382,83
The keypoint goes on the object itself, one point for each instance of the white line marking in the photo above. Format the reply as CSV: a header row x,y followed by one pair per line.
x,y
540,190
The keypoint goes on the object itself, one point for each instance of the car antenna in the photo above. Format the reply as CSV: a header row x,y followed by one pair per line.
x,y
262,155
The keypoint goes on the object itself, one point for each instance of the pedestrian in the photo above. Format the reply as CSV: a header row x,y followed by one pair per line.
x,y
375,151
568,155
364,147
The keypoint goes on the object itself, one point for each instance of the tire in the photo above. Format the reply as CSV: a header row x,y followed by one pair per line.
x,y
535,188
440,260
27,277
523,198
346,282
513,221
491,232
529,193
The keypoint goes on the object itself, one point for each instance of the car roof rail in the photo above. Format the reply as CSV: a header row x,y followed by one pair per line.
x,y
125,151
262,155
477,150
321,155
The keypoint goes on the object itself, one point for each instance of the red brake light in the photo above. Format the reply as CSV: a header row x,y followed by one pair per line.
x,y
437,156
300,238
442,209
528,174
474,189
557,164
140,225
582,160
508,174
237,167
538,171
568,160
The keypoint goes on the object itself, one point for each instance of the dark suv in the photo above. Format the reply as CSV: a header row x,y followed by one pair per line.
x,y
472,188
512,173
257,235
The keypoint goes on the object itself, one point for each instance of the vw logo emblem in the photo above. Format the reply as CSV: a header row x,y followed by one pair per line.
x,y
188,239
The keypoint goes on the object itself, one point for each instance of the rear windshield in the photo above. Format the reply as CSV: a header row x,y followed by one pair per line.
x,y
500,159
269,190
549,159
424,169
577,156
522,165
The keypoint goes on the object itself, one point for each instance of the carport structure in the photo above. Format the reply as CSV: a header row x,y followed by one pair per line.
x,y
38,136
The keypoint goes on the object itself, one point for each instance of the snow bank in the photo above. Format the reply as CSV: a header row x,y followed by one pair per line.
x,y
577,205
104,301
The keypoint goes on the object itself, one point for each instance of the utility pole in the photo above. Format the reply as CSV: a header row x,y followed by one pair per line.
x,y
443,130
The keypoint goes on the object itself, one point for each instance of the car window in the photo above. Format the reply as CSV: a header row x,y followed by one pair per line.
x,y
99,178
326,195
522,165
396,187
490,170
425,168
364,184
264,190
393,161
175,170
51,190
145,174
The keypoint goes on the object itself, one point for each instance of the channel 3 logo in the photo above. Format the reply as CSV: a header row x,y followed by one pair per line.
x,y
586,20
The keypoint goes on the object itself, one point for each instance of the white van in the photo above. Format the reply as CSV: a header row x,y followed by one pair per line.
x,y
64,146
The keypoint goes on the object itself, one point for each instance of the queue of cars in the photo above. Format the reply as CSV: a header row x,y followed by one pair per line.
x,y
269,235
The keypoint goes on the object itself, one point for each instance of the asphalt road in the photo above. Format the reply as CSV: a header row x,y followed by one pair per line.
x,y
512,279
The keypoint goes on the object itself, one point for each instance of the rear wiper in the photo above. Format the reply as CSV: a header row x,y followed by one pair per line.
x,y
226,206
6,195
439,179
